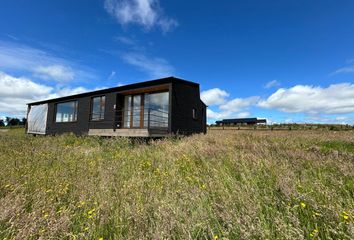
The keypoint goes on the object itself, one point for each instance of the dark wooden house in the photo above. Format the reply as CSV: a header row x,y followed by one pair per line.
x,y
162,107
240,121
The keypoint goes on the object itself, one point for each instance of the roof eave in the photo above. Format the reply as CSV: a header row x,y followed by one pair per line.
x,y
159,81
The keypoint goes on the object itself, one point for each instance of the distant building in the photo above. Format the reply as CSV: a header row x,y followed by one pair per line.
x,y
240,121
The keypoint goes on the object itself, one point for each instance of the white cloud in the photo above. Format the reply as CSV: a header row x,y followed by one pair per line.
x,y
243,114
16,92
349,69
12,87
289,120
125,40
235,108
56,72
319,104
329,119
212,115
344,120
273,83
335,99
146,13
112,75
217,115
16,57
155,67
214,96
66,91
238,104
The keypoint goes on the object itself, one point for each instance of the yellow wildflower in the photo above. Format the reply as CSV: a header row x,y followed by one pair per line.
x,y
316,214
303,205
345,215
81,203
101,238
91,211
216,237
314,232
86,229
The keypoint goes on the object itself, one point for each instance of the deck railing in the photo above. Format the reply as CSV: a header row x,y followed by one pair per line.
x,y
148,118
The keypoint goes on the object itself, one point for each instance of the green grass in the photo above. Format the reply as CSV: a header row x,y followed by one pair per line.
x,y
338,145
225,185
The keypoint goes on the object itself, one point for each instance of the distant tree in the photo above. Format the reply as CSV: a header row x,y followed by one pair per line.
x,y
24,120
8,119
2,123
13,122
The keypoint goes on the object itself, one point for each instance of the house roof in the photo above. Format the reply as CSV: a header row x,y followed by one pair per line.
x,y
121,88
243,120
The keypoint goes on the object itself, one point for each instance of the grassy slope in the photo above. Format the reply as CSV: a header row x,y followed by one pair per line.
x,y
226,185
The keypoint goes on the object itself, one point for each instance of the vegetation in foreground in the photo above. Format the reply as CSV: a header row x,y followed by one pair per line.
x,y
223,185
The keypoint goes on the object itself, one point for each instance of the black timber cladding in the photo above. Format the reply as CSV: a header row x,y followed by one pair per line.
x,y
184,96
183,101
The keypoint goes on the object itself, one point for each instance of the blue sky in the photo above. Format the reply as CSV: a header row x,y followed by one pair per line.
x,y
287,61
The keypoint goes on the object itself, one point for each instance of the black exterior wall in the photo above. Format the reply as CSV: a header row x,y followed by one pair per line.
x,y
184,96
83,123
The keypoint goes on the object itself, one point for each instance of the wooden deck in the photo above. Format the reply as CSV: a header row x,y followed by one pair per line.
x,y
129,132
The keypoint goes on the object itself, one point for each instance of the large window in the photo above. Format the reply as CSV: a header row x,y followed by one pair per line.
x,y
146,110
157,106
66,112
98,105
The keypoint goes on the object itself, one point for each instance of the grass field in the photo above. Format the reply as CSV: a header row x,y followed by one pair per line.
x,y
223,185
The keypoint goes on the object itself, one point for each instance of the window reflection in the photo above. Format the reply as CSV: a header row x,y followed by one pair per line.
x,y
154,112
98,107
66,112
158,105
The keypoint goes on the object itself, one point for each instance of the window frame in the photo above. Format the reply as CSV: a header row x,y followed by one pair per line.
x,y
75,113
104,108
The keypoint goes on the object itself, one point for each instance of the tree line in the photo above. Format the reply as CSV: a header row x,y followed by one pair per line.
x,y
9,121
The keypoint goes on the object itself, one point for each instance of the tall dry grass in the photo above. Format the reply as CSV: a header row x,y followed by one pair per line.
x,y
223,185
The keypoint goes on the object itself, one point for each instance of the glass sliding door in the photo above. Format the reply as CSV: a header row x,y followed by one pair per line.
x,y
127,111
133,111
136,116
146,110
157,105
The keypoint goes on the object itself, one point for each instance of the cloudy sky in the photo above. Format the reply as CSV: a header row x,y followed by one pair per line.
x,y
284,60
